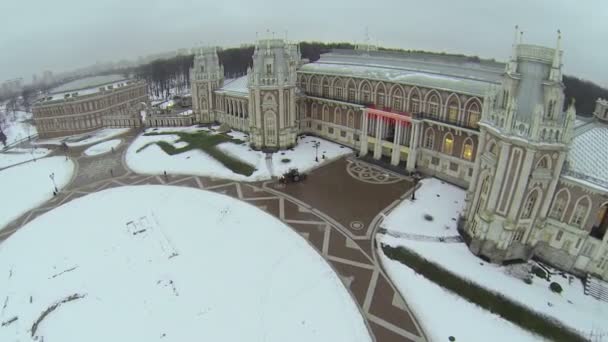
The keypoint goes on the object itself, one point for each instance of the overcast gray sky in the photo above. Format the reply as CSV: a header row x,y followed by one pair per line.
x,y
59,35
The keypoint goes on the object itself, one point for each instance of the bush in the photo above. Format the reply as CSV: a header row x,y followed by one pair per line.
x,y
539,272
555,287
428,217
528,281
285,160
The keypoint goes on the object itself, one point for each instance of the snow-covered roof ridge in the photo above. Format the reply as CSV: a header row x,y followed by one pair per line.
x,y
588,156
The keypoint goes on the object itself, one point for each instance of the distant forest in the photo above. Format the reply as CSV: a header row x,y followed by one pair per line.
x,y
164,74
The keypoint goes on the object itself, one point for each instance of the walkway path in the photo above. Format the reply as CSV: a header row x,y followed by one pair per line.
x,y
336,210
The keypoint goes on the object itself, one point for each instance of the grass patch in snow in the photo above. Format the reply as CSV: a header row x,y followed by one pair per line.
x,y
205,142
488,300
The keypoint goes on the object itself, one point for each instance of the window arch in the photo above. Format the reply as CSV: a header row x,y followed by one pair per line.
x,y
453,108
433,103
314,85
581,211
467,149
448,143
473,113
492,148
325,87
338,88
380,95
429,138
352,91
397,98
414,100
560,203
543,163
315,112
366,92
351,118
337,116
325,113
530,204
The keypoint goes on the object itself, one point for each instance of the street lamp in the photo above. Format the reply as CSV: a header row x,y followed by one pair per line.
x,y
52,177
316,145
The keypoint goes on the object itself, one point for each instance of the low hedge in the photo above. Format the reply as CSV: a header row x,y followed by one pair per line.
x,y
491,301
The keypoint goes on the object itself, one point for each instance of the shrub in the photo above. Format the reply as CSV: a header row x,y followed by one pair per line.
x,y
285,160
428,217
555,287
528,281
539,272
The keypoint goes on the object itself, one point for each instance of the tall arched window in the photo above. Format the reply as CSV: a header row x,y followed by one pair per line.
x,y
467,149
397,98
314,86
433,105
325,87
414,101
352,91
429,139
529,205
338,93
380,96
581,210
448,144
473,114
453,109
366,93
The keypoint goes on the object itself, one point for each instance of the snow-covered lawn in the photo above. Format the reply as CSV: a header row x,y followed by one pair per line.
x,y
443,314
19,155
26,186
303,155
572,308
85,138
18,126
153,160
162,263
103,147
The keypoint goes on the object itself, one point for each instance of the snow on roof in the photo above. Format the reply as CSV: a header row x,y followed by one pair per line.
x,y
236,85
460,77
87,82
588,157
92,86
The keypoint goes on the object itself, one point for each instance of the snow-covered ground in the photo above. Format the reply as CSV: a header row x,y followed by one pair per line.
x,y
572,308
162,263
443,314
85,138
26,186
18,126
19,155
303,155
103,147
153,160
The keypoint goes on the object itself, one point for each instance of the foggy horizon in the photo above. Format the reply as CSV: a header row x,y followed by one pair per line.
x,y
67,35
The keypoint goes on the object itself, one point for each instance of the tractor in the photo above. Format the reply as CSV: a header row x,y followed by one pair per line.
x,y
292,176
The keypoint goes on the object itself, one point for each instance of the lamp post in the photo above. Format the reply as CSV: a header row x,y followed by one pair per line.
x,y
52,177
316,145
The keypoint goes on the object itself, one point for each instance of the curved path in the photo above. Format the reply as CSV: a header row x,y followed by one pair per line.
x,y
336,210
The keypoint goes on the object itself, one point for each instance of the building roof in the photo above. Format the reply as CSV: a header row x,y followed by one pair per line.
x,y
588,156
84,86
237,86
432,71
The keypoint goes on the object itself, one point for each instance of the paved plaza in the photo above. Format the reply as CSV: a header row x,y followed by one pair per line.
x,y
337,209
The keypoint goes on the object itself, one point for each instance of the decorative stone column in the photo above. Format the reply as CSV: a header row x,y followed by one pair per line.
x,y
364,125
396,147
499,175
378,145
413,153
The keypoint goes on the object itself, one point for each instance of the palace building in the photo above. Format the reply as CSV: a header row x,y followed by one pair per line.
x,y
536,174
88,104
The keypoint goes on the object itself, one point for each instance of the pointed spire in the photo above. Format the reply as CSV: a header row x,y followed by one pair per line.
x,y
558,47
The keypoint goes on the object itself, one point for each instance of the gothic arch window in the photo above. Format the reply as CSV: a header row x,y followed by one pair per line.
x,y
352,91
351,118
505,98
581,211
397,98
544,163
562,199
338,116
314,85
429,138
530,204
483,193
414,103
380,95
473,113
551,109
315,111
453,108
448,143
433,103
325,113
492,148
366,92
467,149
303,81
338,88
325,87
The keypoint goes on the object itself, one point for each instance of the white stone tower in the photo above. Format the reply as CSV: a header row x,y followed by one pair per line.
x,y
206,75
601,110
272,94
524,134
